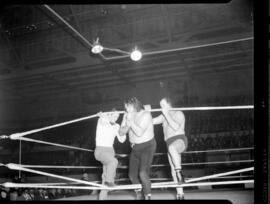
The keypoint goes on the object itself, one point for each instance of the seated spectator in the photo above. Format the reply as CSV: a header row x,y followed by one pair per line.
x,y
85,177
13,194
73,192
59,193
52,194
81,191
32,193
4,195
45,194
39,194
24,195
65,193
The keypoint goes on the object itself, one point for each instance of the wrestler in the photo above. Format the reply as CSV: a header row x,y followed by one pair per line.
x,y
173,123
107,130
138,123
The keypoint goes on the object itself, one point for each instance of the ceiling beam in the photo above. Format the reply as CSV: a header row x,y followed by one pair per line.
x,y
18,56
116,72
167,21
23,64
239,67
75,18
97,72
150,73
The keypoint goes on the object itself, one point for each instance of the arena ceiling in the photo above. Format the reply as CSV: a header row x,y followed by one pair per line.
x,y
41,58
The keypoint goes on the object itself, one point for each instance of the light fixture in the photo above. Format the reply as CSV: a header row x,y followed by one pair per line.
x,y
97,48
136,54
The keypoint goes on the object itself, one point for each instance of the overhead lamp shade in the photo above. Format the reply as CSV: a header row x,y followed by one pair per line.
x,y
97,49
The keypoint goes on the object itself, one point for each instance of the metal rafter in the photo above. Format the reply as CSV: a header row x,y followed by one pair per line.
x,y
75,18
22,63
107,64
17,54
115,71
167,22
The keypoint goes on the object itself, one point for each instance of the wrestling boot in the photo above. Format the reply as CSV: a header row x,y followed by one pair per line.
x,y
138,194
180,197
147,197
180,177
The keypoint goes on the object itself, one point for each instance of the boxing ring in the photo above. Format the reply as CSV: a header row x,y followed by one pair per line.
x,y
161,190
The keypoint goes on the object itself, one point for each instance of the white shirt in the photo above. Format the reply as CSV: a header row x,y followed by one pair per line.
x,y
106,133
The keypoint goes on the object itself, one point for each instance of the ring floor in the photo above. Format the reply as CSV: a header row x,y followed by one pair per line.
x,y
236,196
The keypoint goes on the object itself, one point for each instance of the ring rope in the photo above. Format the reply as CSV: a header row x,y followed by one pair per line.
x,y
19,167
175,185
125,167
124,155
208,163
127,179
219,150
54,144
220,174
186,179
202,151
127,187
17,135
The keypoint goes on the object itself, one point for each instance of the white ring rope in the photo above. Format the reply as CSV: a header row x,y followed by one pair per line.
x,y
125,167
202,151
169,181
54,144
18,135
219,150
135,186
125,155
221,174
18,167
186,179
209,163
126,187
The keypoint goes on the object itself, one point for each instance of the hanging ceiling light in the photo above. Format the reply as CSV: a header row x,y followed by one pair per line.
x,y
97,48
136,54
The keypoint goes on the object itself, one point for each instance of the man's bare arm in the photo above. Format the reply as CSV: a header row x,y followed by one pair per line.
x,y
158,120
175,124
